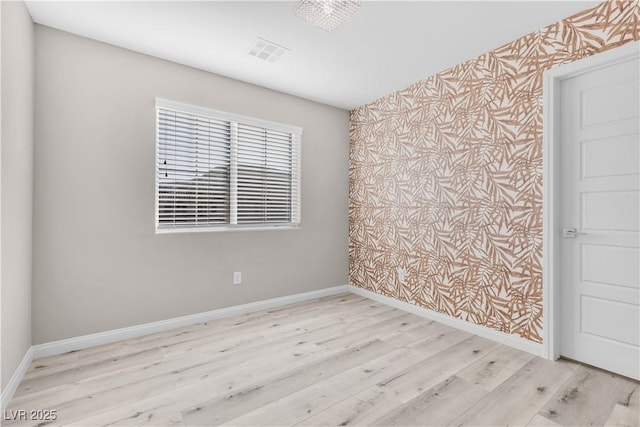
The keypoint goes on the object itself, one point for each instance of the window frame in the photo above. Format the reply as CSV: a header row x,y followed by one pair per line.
x,y
234,120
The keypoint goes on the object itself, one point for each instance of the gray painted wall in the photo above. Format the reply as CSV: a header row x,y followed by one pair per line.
x,y
17,183
98,264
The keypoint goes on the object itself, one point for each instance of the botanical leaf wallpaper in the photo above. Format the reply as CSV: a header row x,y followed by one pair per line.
x,y
446,177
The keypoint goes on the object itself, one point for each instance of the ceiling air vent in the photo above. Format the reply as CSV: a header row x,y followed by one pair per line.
x,y
268,51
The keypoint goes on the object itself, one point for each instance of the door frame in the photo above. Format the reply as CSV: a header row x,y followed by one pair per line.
x,y
552,80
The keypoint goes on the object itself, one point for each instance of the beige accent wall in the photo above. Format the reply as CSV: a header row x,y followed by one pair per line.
x,y
98,264
17,183
446,177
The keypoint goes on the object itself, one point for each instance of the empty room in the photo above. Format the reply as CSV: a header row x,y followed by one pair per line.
x,y
320,213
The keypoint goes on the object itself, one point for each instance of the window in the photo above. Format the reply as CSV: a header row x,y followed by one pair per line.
x,y
219,171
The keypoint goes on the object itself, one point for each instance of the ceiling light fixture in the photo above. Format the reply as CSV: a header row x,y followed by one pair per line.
x,y
326,14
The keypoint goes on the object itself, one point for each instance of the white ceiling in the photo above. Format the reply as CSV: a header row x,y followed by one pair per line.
x,y
384,47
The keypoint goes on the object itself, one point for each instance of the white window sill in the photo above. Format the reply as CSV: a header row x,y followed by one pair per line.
x,y
227,228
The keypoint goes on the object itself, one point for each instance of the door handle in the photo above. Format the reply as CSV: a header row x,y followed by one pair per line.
x,y
571,233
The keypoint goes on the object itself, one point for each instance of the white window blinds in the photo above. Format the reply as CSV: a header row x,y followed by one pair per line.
x,y
220,171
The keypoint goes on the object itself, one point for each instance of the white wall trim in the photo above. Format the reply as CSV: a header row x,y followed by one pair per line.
x,y
85,341
16,378
482,331
114,335
551,182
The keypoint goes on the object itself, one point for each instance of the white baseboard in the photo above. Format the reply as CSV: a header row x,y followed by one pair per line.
x,y
473,328
85,341
16,378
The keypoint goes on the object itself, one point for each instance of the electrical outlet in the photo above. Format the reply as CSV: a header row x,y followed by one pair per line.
x,y
237,277
401,275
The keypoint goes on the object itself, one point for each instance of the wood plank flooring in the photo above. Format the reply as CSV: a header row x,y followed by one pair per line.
x,y
335,361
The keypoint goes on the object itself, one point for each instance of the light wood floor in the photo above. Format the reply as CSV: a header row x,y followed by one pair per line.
x,y
342,360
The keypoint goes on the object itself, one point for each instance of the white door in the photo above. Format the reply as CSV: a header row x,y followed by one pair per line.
x,y
600,218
